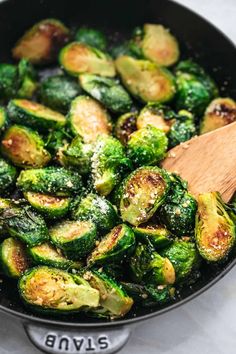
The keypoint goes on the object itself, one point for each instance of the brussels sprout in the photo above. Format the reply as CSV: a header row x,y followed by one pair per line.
x,y
179,209
114,302
148,266
143,191
108,161
8,176
155,114
184,257
107,91
55,291
115,246
98,210
182,129
157,235
24,147
34,115
57,92
51,207
92,37
75,238
13,258
215,230
122,49
57,181
4,204
145,80
220,112
23,223
41,43
89,119
79,58
27,78
125,126
147,146
56,140
3,118
47,254
8,81
149,295
157,44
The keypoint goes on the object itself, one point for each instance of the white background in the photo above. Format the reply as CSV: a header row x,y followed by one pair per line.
x,y
206,325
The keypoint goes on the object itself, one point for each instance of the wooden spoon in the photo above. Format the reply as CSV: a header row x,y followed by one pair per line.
x,y
207,162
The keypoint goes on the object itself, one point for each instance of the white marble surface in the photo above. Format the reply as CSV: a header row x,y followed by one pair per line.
x,y
205,325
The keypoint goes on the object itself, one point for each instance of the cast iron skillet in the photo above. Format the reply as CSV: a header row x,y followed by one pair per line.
x,y
199,40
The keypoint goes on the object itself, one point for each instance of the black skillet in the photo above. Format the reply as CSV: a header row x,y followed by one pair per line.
x,y
199,40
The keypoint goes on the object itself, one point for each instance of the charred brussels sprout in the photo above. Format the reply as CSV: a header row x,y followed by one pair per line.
x,y
147,146
34,115
215,230
149,267
92,37
184,257
145,80
108,161
143,191
75,238
54,290
27,78
8,176
89,119
182,129
107,91
56,181
115,246
24,147
114,302
41,43
157,44
220,112
125,126
51,207
13,258
98,210
8,81
158,236
3,118
57,92
79,58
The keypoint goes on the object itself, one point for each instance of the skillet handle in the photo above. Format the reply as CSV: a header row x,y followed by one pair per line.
x,y
56,340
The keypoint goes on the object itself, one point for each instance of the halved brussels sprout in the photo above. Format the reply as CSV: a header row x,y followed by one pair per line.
x,y
220,112
107,91
89,119
8,81
145,80
3,118
27,79
108,161
54,290
47,254
24,147
52,180
115,246
125,126
161,117
79,58
8,176
215,230
158,44
23,223
92,37
34,115
13,258
57,92
148,266
182,129
51,207
75,238
143,191
97,209
184,257
147,146
41,43
114,302
157,235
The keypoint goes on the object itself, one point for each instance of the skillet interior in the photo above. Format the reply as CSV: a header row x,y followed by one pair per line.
x,y
198,39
